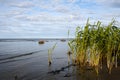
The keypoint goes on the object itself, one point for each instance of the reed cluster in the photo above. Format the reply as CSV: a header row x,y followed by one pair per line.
x,y
95,43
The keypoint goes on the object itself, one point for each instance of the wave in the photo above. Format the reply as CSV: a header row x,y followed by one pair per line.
x,y
12,60
21,55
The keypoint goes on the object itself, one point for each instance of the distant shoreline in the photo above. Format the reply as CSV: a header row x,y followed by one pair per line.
x,y
31,39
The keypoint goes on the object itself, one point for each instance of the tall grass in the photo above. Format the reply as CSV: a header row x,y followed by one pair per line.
x,y
95,43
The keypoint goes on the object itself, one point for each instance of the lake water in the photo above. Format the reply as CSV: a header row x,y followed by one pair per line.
x,y
28,60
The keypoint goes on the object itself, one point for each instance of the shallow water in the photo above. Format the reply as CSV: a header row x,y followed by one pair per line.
x,y
28,60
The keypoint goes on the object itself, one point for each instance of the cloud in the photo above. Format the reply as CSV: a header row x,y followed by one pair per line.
x,y
115,3
111,3
62,9
13,13
112,15
48,18
22,4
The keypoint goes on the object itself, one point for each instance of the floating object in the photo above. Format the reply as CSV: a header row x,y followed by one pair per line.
x,y
47,41
41,42
63,40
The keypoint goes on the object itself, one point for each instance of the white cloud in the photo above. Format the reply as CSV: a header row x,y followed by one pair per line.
x,y
13,13
51,17
62,9
22,4
112,15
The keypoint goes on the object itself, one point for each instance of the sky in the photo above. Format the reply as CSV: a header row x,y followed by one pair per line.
x,y
53,18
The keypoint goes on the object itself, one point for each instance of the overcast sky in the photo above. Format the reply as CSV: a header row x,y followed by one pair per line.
x,y
52,18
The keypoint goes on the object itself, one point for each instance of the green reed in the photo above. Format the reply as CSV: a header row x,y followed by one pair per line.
x,y
50,51
96,42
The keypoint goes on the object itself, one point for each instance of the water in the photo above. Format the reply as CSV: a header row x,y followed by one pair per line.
x,y
28,59
25,59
